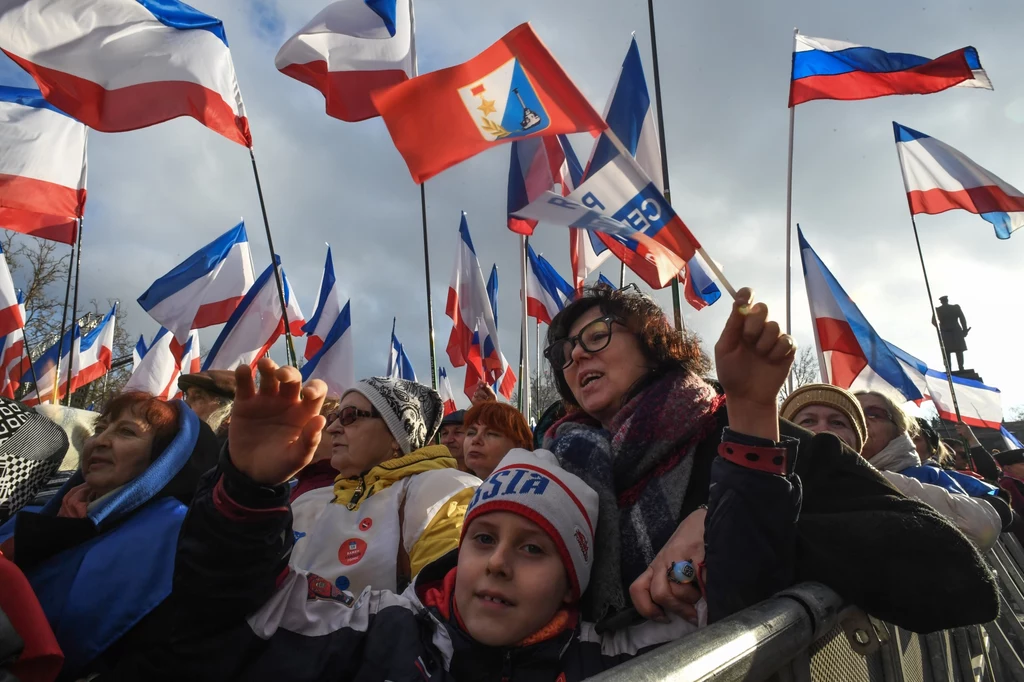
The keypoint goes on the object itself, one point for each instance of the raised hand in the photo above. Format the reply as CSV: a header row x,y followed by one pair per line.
x,y
274,431
753,358
483,393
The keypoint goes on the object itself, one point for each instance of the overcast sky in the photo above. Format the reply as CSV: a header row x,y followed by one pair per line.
x,y
156,195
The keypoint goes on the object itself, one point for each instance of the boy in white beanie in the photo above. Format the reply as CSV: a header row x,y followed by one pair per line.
x,y
503,605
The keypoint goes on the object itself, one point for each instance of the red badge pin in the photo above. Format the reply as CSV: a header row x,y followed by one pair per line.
x,y
351,551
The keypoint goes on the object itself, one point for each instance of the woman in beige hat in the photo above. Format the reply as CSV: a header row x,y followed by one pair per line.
x,y
878,429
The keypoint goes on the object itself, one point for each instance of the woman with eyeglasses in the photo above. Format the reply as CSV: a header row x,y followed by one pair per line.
x,y
398,500
890,449
648,434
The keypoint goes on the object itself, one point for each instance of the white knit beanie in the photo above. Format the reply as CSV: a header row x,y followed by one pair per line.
x,y
412,411
532,485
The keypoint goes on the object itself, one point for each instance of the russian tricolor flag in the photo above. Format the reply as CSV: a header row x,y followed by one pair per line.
x,y
939,178
447,395
120,65
328,307
851,353
350,49
834,69
469,308
334,363
42,166
205,289
256,324
546,291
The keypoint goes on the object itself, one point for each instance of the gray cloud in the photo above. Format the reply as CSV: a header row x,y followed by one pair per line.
x,y
156,195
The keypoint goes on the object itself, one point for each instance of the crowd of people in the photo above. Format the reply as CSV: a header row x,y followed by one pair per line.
x,y
263,530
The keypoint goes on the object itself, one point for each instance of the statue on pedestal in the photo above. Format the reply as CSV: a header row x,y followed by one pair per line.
x,y
953,328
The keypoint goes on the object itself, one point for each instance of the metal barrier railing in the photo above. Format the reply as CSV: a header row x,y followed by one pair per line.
x,y
804,634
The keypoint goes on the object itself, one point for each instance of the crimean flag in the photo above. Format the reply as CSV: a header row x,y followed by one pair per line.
x,y
42,166
939,178
119,65
350,49
511,91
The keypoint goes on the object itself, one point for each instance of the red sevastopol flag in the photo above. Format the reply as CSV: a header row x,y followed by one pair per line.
x,y
512,90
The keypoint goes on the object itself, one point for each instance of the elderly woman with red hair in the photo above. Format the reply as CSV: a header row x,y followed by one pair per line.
x,y
100,554
492,429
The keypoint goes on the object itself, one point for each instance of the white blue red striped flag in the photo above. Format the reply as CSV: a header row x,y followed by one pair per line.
x,y
546,291
42,166
256,324
328,307
205,289
939,178
120,65
835,69
350,49
334,362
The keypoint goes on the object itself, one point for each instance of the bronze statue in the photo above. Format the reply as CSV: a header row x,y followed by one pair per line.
x,y
954,329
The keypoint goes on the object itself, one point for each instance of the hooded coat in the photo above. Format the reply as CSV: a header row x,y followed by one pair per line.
x,y
103,580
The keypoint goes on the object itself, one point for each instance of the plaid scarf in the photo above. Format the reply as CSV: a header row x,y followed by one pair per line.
x,y
641,471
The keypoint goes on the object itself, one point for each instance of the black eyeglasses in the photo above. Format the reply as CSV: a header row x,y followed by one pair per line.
x,y
595,336
347,416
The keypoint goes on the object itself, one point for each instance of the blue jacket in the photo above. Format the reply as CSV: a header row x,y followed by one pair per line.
x,y
97,578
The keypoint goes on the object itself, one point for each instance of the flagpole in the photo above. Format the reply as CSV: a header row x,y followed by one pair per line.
x,y
524,334
63,323
289,344
423,214
74,319
622,273
680,325
430,305
938,332
31,364
789,221
391,347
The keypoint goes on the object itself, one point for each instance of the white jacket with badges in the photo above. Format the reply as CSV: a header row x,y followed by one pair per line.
x,y
380,529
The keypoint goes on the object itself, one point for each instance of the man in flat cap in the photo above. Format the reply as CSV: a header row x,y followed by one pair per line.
x,y
210,394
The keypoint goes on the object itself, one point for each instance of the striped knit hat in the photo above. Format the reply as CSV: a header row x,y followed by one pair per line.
x,y
532,485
